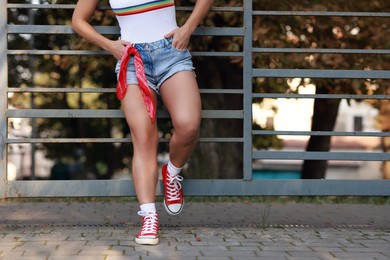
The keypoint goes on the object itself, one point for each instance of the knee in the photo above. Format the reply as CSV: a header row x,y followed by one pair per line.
x,y
188,129
144,139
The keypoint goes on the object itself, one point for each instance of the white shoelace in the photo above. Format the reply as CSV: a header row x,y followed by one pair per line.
x,y
150,222
173,187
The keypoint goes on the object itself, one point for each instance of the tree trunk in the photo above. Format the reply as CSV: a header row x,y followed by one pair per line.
x,y
324,119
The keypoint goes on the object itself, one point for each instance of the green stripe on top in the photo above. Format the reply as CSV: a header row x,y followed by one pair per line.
x,y
142,8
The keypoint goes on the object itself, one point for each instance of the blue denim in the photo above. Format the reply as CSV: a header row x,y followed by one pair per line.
x,y
161,61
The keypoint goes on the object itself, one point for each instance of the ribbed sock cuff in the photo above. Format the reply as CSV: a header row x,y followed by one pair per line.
x,y
148,207
172,169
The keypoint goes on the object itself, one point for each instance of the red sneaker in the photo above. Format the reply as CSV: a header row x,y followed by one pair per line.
x,y
149,231
173,193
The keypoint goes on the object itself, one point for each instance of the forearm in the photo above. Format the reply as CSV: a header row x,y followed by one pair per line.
x,y
81,15
201,8
85,30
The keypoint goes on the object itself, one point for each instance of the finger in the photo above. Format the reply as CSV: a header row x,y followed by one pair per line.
x,y
125,43
170,34
179,46
176,45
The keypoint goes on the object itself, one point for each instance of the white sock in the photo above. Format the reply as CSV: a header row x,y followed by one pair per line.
x,y
148,207
173,170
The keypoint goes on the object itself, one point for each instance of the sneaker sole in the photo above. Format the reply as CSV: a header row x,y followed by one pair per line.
x,y
147,241
171,212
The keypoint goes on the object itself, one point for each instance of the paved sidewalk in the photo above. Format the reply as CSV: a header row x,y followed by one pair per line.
x,y
103,230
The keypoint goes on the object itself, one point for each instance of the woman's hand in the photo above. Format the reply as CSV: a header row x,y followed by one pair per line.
x,y
117,47
81,15
181,37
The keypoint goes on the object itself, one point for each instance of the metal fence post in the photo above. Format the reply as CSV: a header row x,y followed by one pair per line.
x,y
247,86
3,96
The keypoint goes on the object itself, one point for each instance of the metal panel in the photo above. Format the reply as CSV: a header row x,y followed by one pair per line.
x,y
245,186
3,96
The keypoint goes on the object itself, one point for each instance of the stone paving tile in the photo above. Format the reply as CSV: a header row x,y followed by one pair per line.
x,y
231,246
105,231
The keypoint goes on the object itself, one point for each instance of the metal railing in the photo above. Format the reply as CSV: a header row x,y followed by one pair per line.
x,y
213,187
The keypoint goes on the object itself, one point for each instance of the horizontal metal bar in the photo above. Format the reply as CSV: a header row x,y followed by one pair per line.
x,y
221,91
67,29
107,7
209,187
286,187
203,91
321,13
56,188
214,8
106,90
41,6
320,50
211,53
338,156
226,9
106,113
88,52
220,31
322,73
56,29
111,140
319,96
65,113
61,90
320,133
57,52
217,54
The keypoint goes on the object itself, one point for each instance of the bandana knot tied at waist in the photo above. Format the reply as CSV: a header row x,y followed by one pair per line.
x,y
121,85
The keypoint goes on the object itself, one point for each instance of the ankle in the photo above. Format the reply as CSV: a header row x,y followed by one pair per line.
x,y
173,170
148,207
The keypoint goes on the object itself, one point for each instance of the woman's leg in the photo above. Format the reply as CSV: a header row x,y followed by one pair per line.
x,y
145,140
144,165
181,97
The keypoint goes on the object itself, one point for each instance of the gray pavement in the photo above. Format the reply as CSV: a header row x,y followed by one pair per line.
x,y
106,230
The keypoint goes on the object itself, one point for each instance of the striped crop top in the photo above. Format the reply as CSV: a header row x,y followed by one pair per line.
x,y
144,21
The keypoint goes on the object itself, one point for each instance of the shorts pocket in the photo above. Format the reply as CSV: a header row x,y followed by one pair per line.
x,y
184,50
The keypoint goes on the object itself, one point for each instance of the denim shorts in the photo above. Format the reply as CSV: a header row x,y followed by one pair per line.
x,y
161,61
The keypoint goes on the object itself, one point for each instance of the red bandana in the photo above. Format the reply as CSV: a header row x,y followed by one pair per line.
x,y
140,74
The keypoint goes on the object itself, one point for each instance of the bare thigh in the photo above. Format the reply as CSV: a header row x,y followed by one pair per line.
x,y
141,128
180,94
